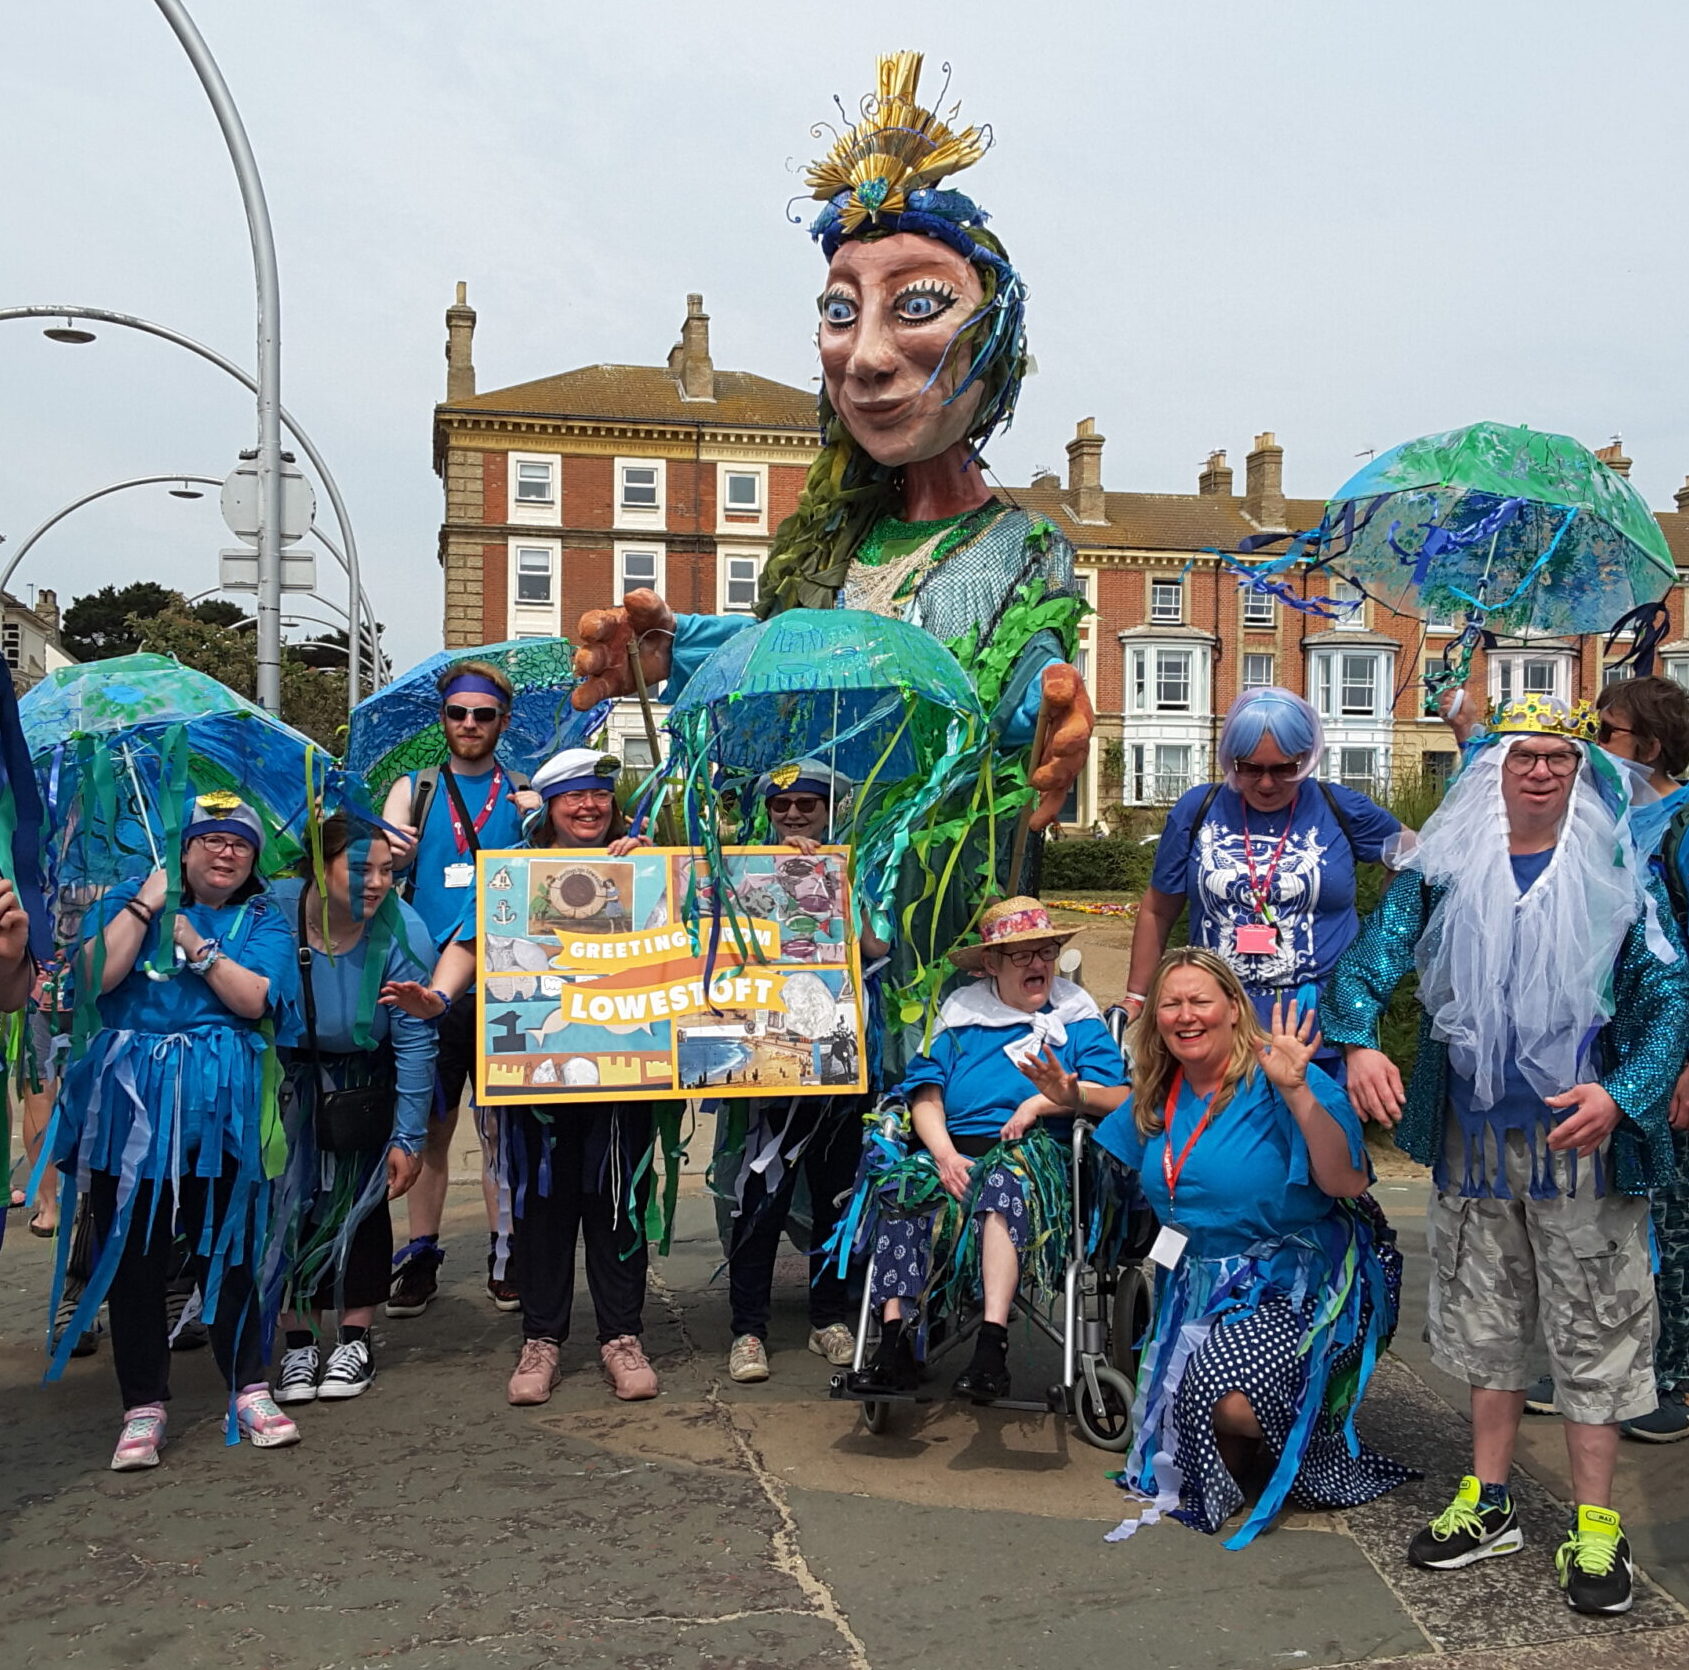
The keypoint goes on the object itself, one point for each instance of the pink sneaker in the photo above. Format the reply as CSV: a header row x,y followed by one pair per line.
x,y
141,1439
536,1372
628,1369
261,1422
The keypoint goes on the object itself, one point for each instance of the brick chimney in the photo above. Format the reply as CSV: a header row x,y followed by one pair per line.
x,y
1612,455
689,358
47,612
1263,495
1085,473
1215,482
1682,496
460,346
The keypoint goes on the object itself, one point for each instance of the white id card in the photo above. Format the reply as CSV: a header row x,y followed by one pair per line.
x,y
460,875
1169,1247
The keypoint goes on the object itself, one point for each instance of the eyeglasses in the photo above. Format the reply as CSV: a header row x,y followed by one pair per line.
x,y
224,843
1606,730
1255,771
481,715
1521,762
573,799
1032,954
805,805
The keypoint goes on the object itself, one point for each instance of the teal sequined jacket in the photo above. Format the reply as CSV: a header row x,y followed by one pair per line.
x,y
1639,1052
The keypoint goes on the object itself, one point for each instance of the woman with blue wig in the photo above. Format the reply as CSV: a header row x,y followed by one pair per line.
x,y
1265,860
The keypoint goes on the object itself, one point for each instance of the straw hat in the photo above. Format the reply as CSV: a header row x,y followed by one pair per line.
x,y
1016,921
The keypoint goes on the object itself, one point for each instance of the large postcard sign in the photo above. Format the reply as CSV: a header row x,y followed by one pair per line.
x,y
592,990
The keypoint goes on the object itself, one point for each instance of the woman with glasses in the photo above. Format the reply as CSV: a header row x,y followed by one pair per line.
x,y
164,1119
1014,1048
1264,861
576,1173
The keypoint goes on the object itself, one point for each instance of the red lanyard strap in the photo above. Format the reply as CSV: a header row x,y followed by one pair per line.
x,y
1172,1171
1260,887
466,835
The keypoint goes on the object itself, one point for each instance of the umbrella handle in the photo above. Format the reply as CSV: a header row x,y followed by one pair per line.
x,y
1023,825
664,819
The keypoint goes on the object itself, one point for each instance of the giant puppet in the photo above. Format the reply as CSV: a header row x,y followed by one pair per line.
x,y
923,349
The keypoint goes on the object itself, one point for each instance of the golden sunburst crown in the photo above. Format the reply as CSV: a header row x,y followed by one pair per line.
x,y
1541,715
897,148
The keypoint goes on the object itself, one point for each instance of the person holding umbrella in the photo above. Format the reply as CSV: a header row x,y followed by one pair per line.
x,y
164,1119
441,818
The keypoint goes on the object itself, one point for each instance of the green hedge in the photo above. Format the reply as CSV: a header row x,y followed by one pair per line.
x,y
1117,864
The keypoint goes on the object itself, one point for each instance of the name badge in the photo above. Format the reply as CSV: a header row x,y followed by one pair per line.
x,y
1257,939
1169,1247
460,875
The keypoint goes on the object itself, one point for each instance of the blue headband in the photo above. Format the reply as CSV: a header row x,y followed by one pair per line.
x,y
552,790
474,684
799,785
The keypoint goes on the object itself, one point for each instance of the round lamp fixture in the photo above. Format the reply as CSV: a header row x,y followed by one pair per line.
x,y
69,331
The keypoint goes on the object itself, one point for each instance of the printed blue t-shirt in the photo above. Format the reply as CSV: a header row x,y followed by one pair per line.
x,y
1312,892
440,907
1248,1179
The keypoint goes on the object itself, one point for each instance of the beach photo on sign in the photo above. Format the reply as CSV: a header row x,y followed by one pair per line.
x,y
579,896
807,1039
529,1047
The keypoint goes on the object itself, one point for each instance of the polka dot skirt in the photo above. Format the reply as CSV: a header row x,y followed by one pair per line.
x,y
903,1247
1257,1355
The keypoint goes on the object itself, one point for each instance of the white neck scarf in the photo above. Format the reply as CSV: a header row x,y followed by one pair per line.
x,y
978,1004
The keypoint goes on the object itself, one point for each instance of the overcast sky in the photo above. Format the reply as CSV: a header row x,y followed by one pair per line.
x,y
1347,222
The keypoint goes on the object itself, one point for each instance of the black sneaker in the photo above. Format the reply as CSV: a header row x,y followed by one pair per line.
x,y
983,1380
416,1281
1539,1396
890,1371
503,1295
1594,1563
351,1367
182,1325
1466,1531
297,1380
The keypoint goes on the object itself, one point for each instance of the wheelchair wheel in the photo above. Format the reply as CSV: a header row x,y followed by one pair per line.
x,y
1110,1426
876,1415
1131,1318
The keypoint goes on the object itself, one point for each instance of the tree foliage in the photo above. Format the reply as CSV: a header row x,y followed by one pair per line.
x,y
103,623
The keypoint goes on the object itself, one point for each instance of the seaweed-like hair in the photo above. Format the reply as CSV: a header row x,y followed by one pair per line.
x,y
846,492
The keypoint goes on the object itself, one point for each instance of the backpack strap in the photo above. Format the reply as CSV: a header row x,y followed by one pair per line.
x,y
1672,858
1202,810
423,788
1342,817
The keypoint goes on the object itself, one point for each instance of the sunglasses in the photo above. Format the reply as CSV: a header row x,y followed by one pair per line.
x,y
1607,730
481,715
1255,771
805,805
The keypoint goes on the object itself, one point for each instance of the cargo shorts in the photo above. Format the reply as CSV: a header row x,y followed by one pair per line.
x,y
1579,1263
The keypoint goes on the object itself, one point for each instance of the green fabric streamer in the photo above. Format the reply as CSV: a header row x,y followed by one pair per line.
x,y
272,1135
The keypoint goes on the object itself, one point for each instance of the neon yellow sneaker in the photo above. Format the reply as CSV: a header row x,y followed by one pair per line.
x,y
1467,1531
1594,1563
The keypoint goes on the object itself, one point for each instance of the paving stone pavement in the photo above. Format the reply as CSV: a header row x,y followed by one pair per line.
x,y
428,1524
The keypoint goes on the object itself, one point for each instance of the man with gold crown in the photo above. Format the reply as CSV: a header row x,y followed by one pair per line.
x,y
923,349
1554,999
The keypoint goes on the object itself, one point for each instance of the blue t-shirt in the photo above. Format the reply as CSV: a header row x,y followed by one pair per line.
x,y
254,934
1312,892
982,1087
1248,1179
441,907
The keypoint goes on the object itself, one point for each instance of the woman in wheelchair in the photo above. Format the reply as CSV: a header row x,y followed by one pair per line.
x,y
1278,1279
1014,1027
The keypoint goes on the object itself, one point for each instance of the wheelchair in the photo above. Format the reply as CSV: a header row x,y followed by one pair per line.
x,y
1099,1318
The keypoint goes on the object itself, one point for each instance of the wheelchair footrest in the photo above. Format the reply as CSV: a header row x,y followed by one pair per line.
x,y
838,1390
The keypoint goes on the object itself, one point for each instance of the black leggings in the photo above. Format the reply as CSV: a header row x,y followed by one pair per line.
x,y
369,1263
140,1347
592,1153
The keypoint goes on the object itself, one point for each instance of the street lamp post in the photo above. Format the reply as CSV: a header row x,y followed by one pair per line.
x,y
348,559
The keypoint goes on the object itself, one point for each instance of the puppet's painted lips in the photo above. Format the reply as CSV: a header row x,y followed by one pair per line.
x,y
802,946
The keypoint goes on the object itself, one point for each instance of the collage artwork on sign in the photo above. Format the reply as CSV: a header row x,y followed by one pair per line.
x,y
591,988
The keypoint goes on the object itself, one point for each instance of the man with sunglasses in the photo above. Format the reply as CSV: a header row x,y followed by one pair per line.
x,y
443,818
1555,999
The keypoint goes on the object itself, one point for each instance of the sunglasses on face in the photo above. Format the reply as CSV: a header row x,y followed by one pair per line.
x,y
805,805
1031,954
1561,763
481,715
1607,730
1284,772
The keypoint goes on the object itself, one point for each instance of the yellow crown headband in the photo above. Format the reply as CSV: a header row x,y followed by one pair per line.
x,y
1540,715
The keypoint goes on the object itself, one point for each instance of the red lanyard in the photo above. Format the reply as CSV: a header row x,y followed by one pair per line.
x,y
458,833
1172,1171
1260,887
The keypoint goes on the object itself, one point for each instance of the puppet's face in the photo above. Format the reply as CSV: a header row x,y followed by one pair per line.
x,y
889,316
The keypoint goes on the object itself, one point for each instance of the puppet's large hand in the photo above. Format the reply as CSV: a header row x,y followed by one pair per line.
x,y
605,635
1069,721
